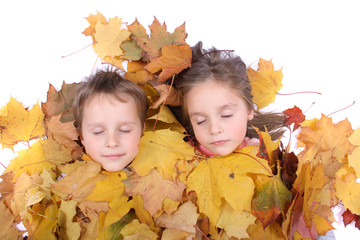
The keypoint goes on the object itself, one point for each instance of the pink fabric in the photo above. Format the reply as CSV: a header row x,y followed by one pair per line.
x,y
247,142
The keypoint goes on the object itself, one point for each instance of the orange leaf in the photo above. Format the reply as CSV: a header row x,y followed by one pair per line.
x,y
173,60
294,115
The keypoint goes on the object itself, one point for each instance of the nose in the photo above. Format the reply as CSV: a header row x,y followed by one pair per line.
x,y
112,140
215,127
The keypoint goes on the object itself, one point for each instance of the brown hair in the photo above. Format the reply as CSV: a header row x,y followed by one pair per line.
x,y
228,69
108,82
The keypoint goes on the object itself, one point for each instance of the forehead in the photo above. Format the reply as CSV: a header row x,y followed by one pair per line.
x,y
211,93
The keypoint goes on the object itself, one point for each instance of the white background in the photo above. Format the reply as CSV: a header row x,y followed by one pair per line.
x,y
315,42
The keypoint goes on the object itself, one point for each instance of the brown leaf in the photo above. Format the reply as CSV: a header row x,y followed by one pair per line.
x,y
159,38
154,189
79,183
294,115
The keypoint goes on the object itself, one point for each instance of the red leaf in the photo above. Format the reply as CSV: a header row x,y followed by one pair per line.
x,y
294,115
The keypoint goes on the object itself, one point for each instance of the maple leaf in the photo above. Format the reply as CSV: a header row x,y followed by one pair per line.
x,y
209,177
64,133
161,150
30,160
348,217
110,190
6,184
326,143
273,231
235,223
289,165
7,231
70,229
267,147
159,38
270,200
79,183
353,158
294,115
60,102
173,60
169,95
56,153
265,83
154,189
108,38
136,230
347,189
136,72
23,183
20,124
43,224
183,219
93,20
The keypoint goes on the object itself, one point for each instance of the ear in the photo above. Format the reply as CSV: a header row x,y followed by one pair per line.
x,y
251,115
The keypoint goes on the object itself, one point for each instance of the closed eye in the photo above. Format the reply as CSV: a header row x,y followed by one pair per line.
x,y
97,133
125,131
227,116
201,122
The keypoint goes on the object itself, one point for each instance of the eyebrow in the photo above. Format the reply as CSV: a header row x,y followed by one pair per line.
x,y
100,123
229,105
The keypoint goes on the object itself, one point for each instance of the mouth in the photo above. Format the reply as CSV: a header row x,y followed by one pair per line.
x,y
113,156
219,143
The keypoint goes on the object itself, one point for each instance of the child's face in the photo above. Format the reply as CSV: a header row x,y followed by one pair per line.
x,y
111,131
218,116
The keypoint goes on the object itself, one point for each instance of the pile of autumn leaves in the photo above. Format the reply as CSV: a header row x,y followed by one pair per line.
x,y
170,190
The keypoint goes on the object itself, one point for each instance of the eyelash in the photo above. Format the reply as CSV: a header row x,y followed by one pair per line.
x,y
201,122
227,116
125,131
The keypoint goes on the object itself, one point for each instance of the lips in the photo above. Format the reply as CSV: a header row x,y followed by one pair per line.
x,y
219,143
113,156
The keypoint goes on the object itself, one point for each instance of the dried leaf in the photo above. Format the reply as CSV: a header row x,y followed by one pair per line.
x,y
265,83
19,124
294,115
154,189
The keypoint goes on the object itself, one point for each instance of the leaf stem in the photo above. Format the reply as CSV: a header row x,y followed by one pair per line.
x,y
341,109
285,94
79,50
201,232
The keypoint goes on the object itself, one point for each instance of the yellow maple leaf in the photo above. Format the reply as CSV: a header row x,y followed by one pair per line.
x,y
19,124
347,189
69,229
108,38
154,189
31,160
235,223
111,190
354,157
219,177
161,150
273,231
265,83
136,230
173,60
